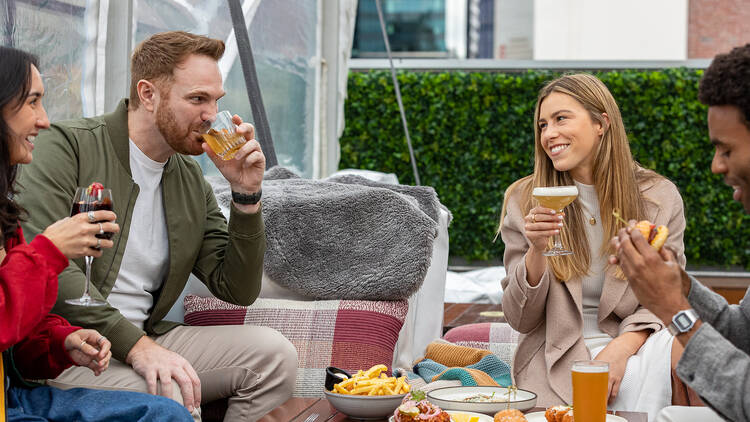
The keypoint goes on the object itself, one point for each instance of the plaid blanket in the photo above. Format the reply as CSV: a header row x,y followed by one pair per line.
x,y
450,362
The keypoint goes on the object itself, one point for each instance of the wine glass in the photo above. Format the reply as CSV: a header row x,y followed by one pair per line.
x,y
557,198
85,200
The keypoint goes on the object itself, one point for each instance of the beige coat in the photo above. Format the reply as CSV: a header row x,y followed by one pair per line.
x,y
549,315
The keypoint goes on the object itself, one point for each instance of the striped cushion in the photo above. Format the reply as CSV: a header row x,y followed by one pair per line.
x,y
497,337
348,334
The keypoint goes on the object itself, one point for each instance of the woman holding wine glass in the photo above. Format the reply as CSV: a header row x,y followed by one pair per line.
x,y
40,344
577,306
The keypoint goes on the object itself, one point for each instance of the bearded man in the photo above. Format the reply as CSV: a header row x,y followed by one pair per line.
x,y
171,226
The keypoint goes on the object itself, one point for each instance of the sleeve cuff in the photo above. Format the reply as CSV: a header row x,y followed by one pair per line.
x,y
246,225
123,336
703,300
55,258
57,349
525,292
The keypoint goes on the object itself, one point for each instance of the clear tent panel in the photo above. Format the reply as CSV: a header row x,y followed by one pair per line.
x,y
73,39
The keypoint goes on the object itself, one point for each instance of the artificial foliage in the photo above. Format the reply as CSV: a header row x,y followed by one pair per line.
x,y
472,133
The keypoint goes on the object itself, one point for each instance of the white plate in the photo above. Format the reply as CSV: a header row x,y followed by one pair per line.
x,y
539,417
482,417
452,398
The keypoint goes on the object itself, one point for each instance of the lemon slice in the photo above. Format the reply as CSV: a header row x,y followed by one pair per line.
x,y
463,417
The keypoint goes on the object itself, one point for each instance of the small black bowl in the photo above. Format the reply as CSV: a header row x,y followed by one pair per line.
x,y
333,376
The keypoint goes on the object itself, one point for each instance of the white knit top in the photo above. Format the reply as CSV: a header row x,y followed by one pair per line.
x,y
592,283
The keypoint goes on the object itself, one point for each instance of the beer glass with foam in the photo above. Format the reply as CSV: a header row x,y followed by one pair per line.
x,y
557,198
590,378
222,137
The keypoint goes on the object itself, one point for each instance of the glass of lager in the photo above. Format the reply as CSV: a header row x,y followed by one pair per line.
x,y
557,198
222,137
590,379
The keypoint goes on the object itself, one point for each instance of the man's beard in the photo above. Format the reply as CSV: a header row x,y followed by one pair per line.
x,y
180,141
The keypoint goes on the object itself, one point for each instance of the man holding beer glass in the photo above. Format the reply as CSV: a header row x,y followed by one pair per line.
x,y
716,335
171,227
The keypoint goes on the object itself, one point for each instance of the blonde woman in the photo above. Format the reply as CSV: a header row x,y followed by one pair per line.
x,y
578,306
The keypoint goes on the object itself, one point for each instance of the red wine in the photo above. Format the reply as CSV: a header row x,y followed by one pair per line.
x,y
105,205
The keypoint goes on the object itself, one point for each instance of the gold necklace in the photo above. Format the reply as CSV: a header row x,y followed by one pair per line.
x,y
592,220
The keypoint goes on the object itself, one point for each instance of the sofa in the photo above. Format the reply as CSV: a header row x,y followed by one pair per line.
x,y
354,333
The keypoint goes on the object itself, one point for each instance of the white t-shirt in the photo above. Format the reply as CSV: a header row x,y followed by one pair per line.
x,y
145,261
592,284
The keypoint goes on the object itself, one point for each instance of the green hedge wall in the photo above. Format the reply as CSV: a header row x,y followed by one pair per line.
x,y
473,135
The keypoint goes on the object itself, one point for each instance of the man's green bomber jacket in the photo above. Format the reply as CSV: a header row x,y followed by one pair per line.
x,y
228,259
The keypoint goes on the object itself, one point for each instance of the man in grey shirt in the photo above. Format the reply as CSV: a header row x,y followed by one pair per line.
x,y
716,335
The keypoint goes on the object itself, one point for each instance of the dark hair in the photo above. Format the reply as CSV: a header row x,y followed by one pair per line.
x,y
727,81
15,83
155,58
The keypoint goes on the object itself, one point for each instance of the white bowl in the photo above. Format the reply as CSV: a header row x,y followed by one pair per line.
x,y
365,407
452,398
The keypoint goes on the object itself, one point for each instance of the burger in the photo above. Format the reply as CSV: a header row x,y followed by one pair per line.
x,y
656,235
415,408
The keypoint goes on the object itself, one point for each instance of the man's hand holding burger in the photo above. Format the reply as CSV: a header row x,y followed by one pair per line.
x,y
654,274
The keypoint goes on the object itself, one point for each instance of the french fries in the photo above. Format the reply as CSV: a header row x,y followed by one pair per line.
x,y
372,382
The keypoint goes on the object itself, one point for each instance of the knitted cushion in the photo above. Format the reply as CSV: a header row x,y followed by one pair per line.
x,y
497,337
348,334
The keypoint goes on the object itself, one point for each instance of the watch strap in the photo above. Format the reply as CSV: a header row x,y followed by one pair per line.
x,y
246,198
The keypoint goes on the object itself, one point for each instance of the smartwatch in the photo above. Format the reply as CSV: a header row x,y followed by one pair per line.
x,y
682,322
246,198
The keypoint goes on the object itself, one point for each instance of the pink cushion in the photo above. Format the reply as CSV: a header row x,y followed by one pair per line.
x,y
348,334
471,332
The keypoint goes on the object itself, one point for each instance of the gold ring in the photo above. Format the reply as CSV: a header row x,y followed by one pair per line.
x,y
533,217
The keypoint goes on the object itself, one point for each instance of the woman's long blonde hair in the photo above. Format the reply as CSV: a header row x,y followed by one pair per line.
x,y
616,175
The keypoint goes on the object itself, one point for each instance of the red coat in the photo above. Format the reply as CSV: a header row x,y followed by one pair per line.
x,y
28,290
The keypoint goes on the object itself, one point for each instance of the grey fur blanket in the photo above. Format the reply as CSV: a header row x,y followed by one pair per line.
x,y
345,237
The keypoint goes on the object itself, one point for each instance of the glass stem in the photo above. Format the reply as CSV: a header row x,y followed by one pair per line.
x,y
558,242
89,260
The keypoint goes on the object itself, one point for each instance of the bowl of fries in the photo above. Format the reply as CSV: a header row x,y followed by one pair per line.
x,y
369,394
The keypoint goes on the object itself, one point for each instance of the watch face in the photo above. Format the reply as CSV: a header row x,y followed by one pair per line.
x,y
682,321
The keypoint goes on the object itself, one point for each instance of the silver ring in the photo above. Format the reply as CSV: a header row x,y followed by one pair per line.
x,y
82,344
91,216
101,229
100,340
98,243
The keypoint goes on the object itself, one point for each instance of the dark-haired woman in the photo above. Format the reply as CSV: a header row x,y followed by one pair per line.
x,y
36,344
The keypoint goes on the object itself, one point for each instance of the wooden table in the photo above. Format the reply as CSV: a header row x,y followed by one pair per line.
x,y
456,314
297,409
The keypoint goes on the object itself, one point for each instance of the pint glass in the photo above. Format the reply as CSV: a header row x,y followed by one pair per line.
x,y
590,379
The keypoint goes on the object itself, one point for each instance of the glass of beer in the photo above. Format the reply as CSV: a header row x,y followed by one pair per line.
x,y
557,198
590,379
222,137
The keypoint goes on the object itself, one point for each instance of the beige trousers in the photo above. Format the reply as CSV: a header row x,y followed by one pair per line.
x,y
255,367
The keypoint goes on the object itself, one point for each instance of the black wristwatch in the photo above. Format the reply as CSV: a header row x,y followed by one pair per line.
x,y
682,322
246,198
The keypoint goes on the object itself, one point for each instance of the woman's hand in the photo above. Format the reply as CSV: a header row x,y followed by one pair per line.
x,y
617,353
76,236
541,224
90,349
